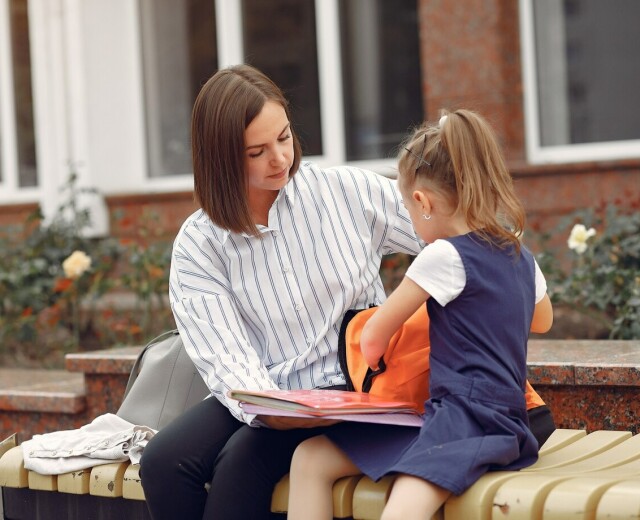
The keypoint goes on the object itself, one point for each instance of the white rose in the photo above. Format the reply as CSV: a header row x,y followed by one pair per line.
x,y
578,238
77,263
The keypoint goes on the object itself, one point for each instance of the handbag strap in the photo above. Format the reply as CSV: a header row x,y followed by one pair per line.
x,y
135,370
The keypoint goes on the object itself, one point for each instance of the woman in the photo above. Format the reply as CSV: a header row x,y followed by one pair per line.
x,y
260,280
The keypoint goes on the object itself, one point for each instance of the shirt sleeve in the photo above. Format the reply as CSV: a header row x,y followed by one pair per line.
x,y
438,269
399,235
209,322
541,282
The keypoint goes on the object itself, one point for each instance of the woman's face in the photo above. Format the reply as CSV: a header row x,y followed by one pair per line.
x,y
268,150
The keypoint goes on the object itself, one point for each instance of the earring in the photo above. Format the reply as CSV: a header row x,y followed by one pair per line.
x,y
426,217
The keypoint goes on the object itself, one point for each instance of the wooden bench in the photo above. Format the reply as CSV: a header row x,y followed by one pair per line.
x,y
577,476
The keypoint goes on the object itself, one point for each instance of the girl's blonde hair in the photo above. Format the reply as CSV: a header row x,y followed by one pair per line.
x,y
459,157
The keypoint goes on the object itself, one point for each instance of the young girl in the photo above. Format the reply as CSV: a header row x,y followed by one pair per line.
x,y
484,293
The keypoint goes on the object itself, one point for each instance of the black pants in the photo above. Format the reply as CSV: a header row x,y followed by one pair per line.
x,y
243,464
207,444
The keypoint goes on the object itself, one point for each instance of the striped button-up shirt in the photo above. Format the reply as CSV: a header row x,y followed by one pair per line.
x,y
265,312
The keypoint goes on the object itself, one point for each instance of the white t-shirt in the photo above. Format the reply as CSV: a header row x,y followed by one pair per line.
x,y
438,269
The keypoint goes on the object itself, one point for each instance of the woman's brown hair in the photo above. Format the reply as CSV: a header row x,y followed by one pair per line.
x,y
460,158
224,108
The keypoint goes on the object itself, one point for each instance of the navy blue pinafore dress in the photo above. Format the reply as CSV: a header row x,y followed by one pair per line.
x,y
476,418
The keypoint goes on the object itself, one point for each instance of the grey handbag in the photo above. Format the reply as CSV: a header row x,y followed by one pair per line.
x,y
163,383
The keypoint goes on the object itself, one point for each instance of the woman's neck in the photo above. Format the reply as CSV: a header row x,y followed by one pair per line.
x,y
260,204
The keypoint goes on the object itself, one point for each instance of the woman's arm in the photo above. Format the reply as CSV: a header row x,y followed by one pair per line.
x,y
209,321
379,329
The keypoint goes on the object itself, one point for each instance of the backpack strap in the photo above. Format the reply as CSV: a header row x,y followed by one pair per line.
x,y
342,346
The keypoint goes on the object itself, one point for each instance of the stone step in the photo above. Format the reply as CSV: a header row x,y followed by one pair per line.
x,y
41,390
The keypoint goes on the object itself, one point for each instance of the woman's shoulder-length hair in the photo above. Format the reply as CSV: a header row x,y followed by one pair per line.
x,y
224,108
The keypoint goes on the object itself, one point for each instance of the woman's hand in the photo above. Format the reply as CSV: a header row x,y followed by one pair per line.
x,y
289,423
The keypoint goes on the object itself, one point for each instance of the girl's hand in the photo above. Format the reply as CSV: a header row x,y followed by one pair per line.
x,y
372,360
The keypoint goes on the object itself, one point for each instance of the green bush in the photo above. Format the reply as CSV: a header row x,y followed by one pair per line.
x,y
47,310
598,273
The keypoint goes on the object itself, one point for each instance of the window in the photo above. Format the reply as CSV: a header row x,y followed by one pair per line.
x,y
279,38
179,54
350,69
381,75
17,135
582,79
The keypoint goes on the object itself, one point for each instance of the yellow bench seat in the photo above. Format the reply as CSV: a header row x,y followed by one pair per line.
x,y
578,476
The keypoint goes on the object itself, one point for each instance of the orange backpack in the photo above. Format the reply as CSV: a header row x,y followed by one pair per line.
x,y
403,374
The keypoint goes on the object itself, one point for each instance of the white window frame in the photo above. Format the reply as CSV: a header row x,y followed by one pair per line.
x,y
536,153
10,191
230,52
88,96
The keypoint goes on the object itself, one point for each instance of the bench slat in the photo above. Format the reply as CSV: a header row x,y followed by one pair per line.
x,y
42,482
576,498
106,479
75,482
132,484
587,446
369,497
343,491
12,471
620,502
626,454
559,439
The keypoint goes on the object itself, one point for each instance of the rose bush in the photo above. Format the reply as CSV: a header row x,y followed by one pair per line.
x,y
62,291
599,274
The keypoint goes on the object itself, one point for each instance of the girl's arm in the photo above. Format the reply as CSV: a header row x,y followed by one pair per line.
x,y
542,315
383,324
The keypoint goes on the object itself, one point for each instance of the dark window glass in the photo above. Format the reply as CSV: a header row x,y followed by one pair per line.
x,y
280,40
21,62
180,54
588,70
381,74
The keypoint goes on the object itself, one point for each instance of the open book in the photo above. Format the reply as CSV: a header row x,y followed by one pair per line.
x,y
328,404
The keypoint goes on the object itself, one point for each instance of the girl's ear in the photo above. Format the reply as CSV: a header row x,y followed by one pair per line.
x,y
423,199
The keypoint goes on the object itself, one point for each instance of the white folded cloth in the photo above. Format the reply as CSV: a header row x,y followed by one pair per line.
x,y
108,438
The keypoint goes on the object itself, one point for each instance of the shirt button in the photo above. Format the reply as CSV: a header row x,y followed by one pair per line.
x,y
286,269
275,233
298,307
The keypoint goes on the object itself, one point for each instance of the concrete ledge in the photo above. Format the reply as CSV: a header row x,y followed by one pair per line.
x,y
109,361
584,362
588,384
54,391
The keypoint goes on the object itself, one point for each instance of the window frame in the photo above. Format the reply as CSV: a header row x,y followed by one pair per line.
x,y
230,52
73,127
10,190
571,153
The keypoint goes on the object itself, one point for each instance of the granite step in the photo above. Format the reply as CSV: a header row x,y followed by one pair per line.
x,y
41,390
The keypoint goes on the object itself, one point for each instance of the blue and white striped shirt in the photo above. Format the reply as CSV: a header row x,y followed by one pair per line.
x,y
265,312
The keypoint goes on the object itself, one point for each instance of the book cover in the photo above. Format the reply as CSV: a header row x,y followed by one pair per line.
x,y
335,404
395,418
